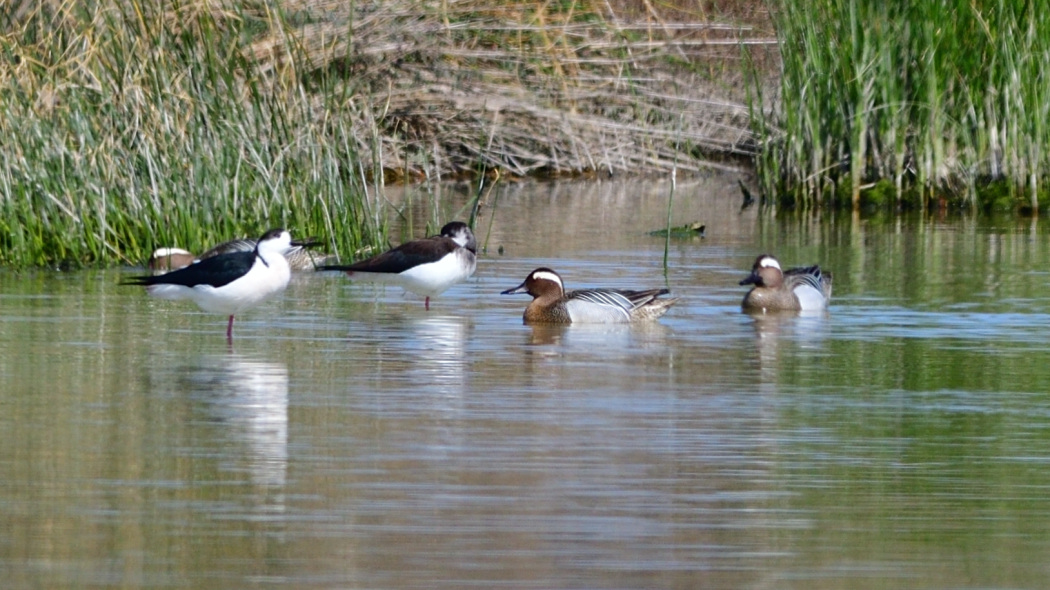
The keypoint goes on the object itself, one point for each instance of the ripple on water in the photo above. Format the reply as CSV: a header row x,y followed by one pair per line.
x,y
964,329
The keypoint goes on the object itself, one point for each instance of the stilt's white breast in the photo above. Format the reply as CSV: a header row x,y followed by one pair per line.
x,y
261,282
434,278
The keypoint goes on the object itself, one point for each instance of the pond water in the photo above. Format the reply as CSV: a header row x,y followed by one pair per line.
x,y
349,439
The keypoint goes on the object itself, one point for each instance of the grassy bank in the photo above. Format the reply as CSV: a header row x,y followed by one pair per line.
x,y
126,127
912,104
129,124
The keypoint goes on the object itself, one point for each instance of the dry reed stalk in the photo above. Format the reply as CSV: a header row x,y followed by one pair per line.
x,y
451,88
523,88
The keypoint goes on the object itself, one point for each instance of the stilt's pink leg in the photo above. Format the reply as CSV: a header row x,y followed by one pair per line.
x,y
229,329
426,303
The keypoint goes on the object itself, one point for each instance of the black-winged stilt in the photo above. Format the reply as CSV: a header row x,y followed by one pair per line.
x,y
427,267
228,283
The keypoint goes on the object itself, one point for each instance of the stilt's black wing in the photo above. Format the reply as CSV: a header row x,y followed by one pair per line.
x,y
402,258
216,271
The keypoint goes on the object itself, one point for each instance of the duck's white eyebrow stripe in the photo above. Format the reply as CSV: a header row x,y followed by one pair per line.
x,y
169,251
769,261
539,276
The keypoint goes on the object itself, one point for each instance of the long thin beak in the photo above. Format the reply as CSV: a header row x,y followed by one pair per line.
x,y
519,289
307,243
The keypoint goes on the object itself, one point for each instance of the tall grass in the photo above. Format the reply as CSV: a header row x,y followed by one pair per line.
x,y
126,127
917,100
133,123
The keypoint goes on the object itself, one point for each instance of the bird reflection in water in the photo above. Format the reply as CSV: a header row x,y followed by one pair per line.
x,y
802,329
440,361
250,399
605,336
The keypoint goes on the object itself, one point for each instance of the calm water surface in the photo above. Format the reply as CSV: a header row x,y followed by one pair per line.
x,y
349,439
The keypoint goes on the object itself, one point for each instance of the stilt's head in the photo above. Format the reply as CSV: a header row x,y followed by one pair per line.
x,y
275,241
460,234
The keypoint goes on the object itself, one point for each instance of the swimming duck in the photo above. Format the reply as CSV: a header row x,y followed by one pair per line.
x,y
796,289
551,304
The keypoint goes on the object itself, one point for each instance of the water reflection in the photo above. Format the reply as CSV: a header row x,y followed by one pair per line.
x,y
878,445
434,353
799,330
610,337
808,329
248,400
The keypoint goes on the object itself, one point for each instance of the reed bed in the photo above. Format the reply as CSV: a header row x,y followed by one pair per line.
x,y
527,89
130,124
911,103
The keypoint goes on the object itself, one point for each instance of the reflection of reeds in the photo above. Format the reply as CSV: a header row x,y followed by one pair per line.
x,y
909,98
131,123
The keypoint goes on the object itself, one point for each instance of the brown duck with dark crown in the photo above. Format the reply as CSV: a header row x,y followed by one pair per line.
x,y
551,304
796,289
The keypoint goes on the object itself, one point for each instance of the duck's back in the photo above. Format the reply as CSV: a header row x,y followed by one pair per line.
x,y
811,286
592,306
613,306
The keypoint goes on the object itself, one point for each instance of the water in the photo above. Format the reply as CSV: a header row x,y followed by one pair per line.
x,y
349,439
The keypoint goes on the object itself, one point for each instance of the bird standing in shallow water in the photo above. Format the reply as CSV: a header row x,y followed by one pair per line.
x,y
228,283
427,267
551,304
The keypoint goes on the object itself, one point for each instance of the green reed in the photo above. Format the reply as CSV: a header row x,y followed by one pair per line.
x,y
908,102
127,127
